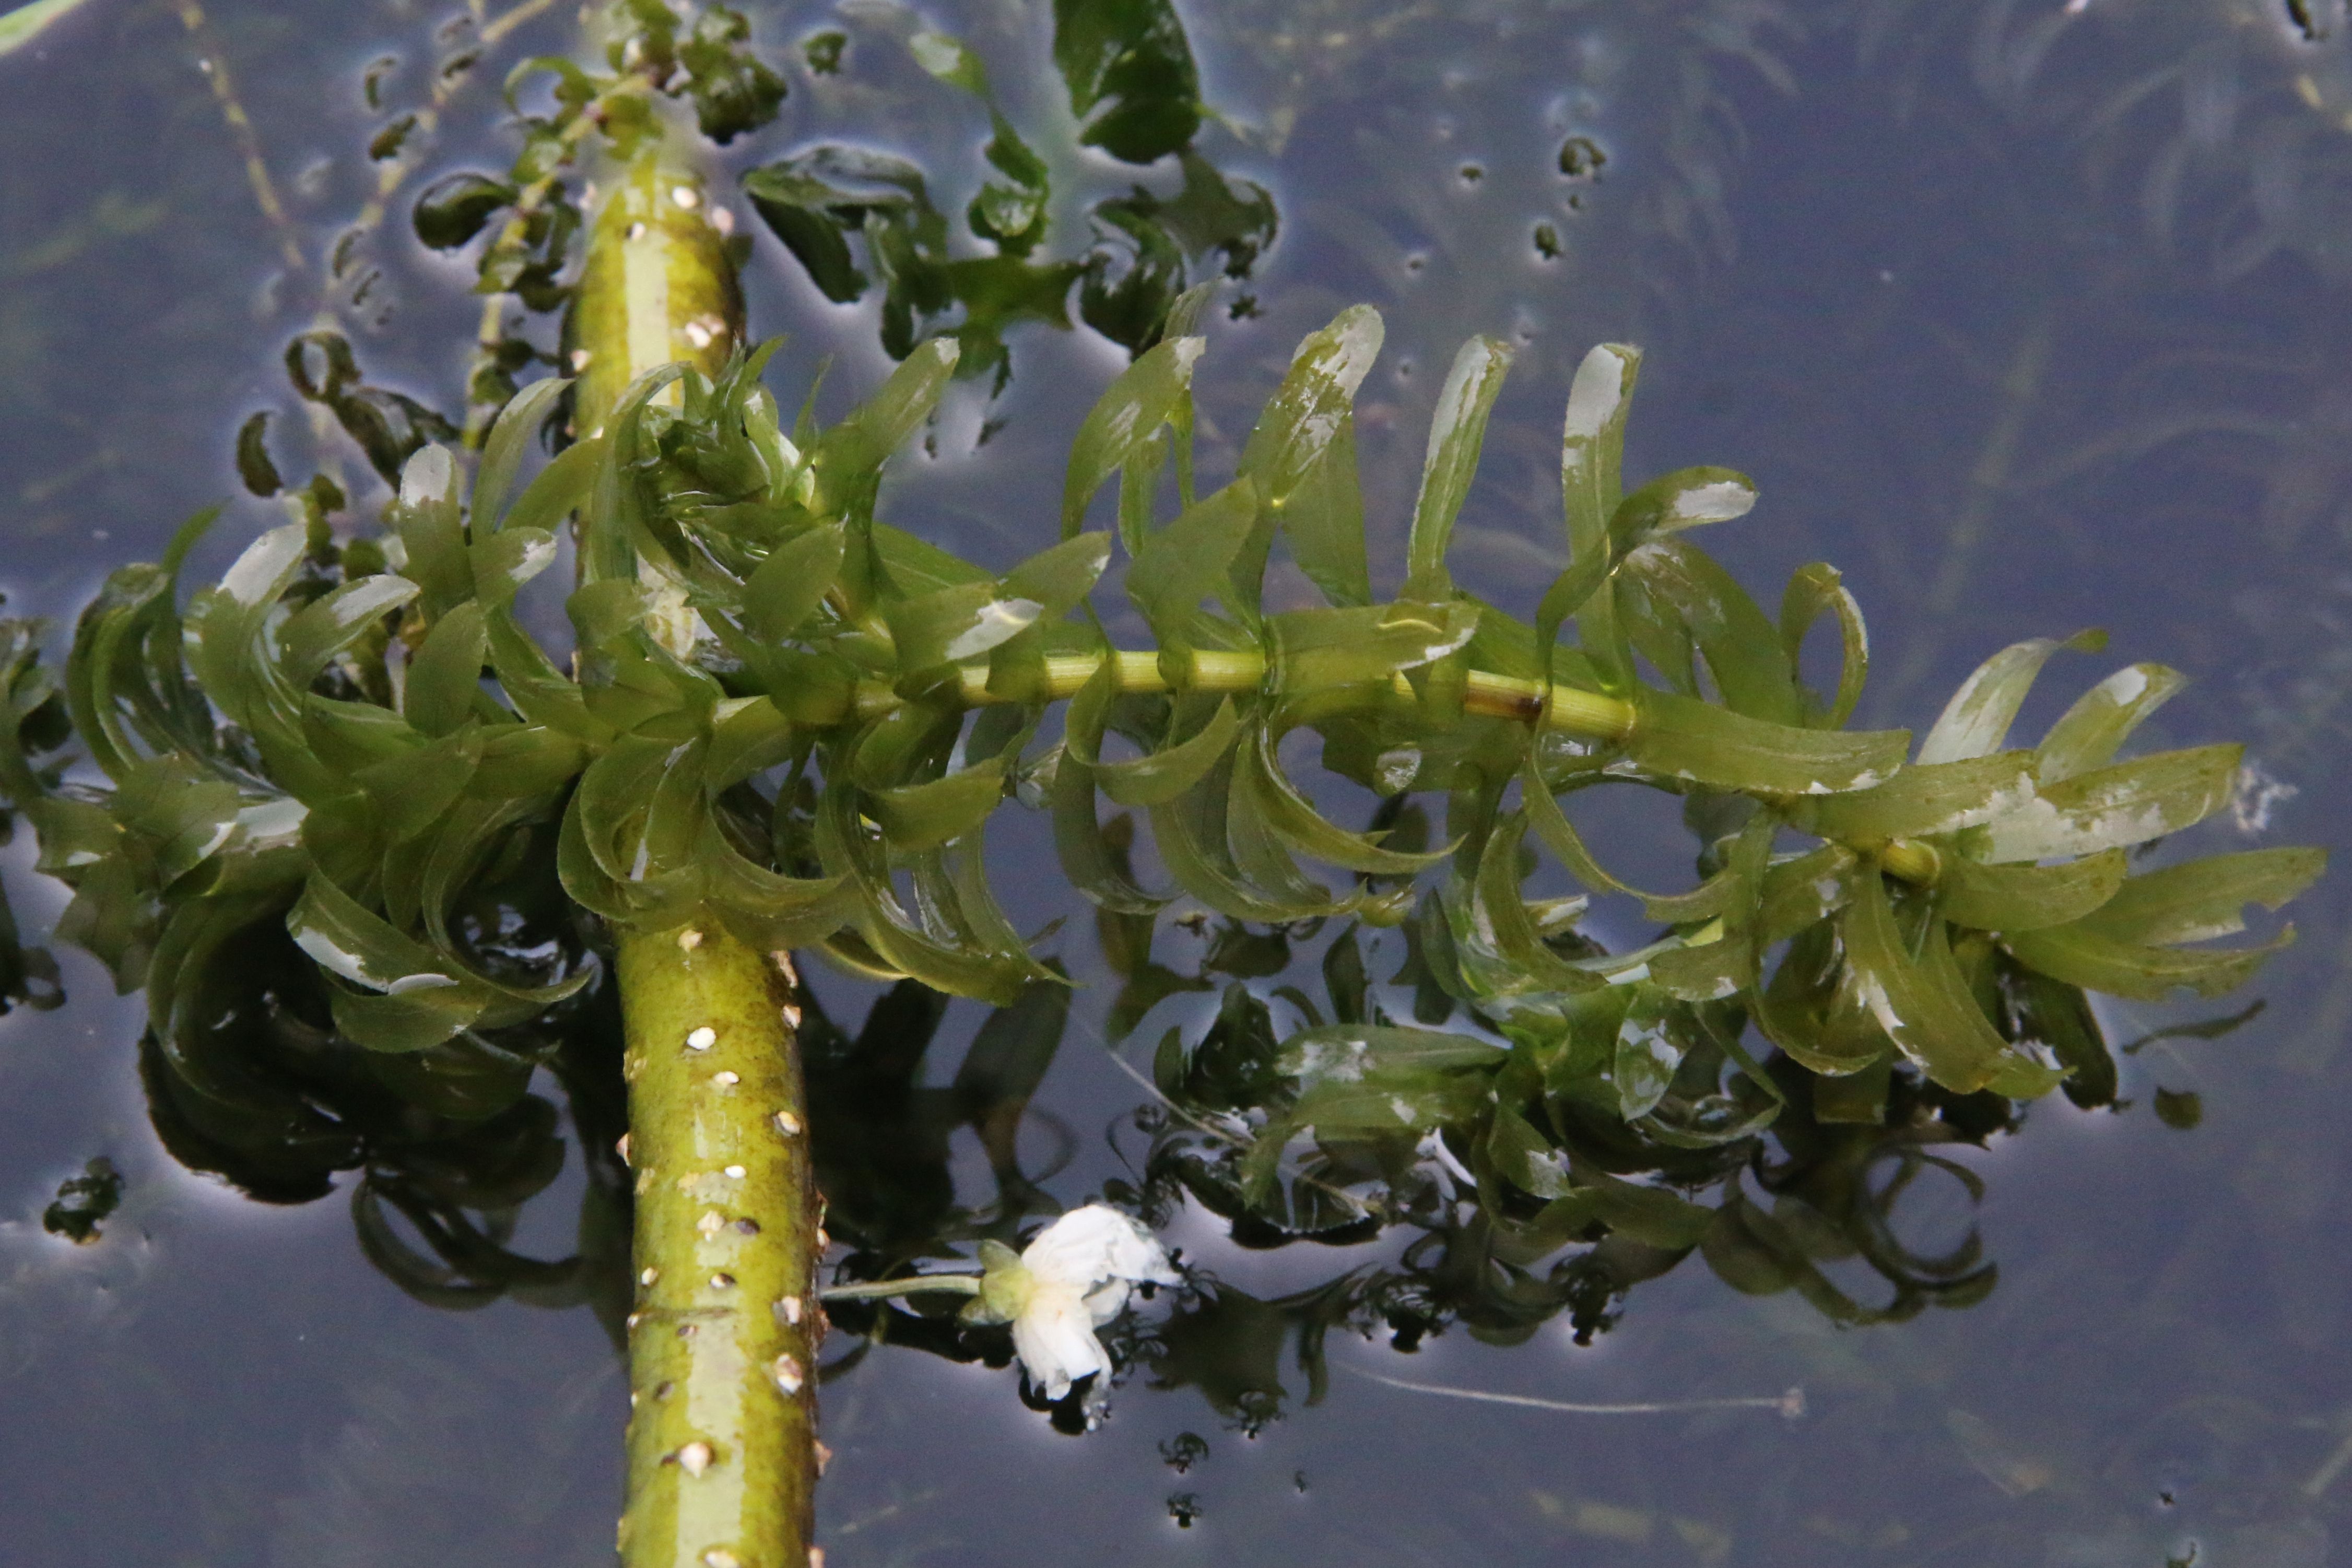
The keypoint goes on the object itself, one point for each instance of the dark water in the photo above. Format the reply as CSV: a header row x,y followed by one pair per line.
x,y
2028,322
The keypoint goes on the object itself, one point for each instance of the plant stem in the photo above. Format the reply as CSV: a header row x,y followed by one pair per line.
x,y
657,286
913,1285
723,1342
1573,709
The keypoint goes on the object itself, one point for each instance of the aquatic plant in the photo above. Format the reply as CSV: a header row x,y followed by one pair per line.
x,y
785,725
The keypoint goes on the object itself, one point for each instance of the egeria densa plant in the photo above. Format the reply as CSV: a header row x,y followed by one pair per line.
x,y
782,725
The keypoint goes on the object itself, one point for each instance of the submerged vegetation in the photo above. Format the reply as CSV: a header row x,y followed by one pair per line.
x,y
449,849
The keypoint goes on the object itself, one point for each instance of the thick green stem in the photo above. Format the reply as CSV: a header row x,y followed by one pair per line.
x,y
723,1342
658,286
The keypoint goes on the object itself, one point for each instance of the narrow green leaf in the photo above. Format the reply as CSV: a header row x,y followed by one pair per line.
x,y
1129,74
954,623
456,207
252,464
1649,1215
1803,890
1503,920
2204,898
1080,840
803,202
538,689
1187,561
1686,498
1265,862
970,619
785,592
559,488
915,566
1302,458
1741,647
898,936
1456,432
2026,897
1569,596
345,937
1560,836
1815,1009
1976,720
534,760
510,437
1058,577
348,737
2059,1016
1922,1005
403,1022
1680,737
2128,803
2088,734
748,736
1146,395
1646,1058
1592,445
1923,799
787,910
1525,1160
1138,489
1812,588
502,562
1191,832
333,622
852,452
1591,461
1298,824
413,789
2083,957
925,816
444,677
425,517
1349,1052
1163,775
1721,957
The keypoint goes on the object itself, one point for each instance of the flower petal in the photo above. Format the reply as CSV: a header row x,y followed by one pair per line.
x,y
1056,1341
1091,1246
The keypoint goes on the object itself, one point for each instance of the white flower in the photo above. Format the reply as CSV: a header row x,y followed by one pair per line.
x,y
1074,1278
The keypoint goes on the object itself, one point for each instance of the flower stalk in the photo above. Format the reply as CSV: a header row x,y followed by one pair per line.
x,y
912,1285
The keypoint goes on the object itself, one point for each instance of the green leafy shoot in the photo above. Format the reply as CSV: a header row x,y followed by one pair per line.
x,y
357,755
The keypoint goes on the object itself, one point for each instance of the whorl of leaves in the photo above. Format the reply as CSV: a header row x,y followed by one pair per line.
x,y
355,743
